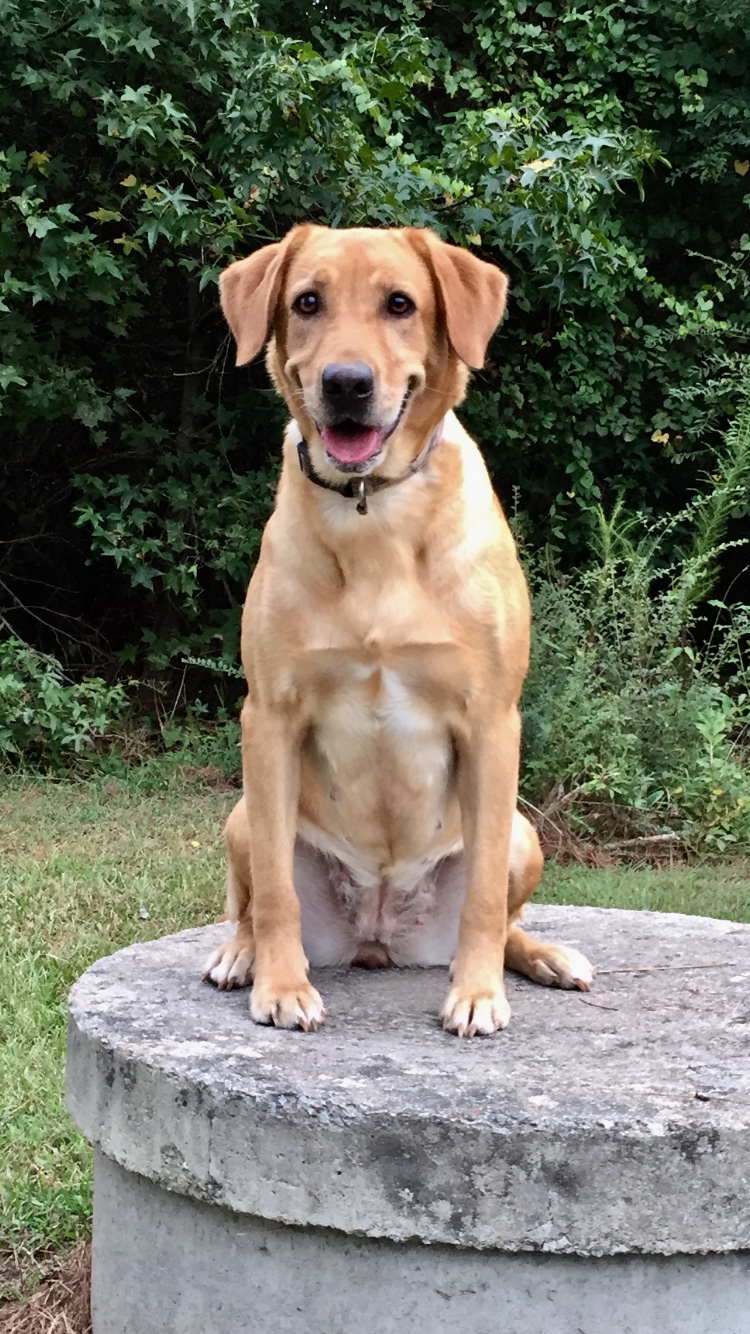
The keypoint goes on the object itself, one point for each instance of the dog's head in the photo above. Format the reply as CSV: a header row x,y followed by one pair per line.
x,y
371,335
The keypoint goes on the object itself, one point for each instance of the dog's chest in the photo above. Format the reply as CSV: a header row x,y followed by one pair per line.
x,y
383,681
375,714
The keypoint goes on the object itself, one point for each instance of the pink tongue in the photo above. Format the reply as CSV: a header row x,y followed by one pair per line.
x,y
348,448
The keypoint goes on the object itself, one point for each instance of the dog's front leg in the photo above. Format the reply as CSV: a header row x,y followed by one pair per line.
x,y
282,994
487,787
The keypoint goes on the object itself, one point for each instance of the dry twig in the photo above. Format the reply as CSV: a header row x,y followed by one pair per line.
x,y
636,842
663,967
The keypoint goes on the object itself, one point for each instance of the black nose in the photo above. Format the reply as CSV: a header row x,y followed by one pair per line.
x,y
348,386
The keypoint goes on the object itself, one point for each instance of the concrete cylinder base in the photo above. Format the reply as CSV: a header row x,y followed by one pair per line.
x,y
163,1262
587,1171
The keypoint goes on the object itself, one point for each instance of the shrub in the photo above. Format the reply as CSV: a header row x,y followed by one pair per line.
x,y
635,703
44,719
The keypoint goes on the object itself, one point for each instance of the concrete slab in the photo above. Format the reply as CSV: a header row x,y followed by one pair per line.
x,y
613,1123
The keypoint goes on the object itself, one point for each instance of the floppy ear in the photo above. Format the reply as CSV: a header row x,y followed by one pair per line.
x,y
249,291
473,295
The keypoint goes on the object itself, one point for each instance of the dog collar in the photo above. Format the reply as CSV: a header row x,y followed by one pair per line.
x,y
359,488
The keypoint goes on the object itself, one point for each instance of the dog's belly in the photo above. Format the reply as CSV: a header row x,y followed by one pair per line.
x,y
379,857
378,778
411,919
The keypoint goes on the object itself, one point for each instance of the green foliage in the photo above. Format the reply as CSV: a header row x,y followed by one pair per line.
x,y
620,705
45,720
600,154
597,153
190,523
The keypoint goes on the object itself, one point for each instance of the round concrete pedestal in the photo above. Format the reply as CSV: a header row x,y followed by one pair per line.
x,y
587,1170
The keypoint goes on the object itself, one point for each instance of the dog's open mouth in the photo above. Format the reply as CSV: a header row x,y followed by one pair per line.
x,y
351,442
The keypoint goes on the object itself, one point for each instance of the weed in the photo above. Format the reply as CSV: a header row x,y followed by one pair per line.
x,y
634,698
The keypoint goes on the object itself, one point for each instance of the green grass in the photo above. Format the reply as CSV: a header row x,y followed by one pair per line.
x,y
721,890
80,864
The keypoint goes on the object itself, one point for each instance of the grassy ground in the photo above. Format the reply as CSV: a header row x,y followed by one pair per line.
x,y
81,866
86,868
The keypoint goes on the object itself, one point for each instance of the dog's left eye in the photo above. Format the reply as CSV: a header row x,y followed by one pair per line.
x,y
399,303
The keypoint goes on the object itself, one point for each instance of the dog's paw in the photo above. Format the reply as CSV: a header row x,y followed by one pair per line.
x,y
287,1006
470,1014
563,967
231,965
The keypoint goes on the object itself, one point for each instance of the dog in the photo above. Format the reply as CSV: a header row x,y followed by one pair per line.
x,y
385,640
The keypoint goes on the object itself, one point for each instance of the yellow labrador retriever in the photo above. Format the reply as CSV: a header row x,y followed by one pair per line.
x,y
385,640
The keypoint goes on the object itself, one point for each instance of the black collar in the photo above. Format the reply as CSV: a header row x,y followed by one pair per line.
x,y
360,488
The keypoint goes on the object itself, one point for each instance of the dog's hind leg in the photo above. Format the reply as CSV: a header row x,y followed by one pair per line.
x,y
231,965
551,965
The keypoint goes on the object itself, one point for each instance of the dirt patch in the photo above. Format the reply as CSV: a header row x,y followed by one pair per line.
x,y
210,775
62,1304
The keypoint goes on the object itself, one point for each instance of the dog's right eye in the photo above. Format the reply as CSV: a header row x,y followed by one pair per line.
x,y
307,303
